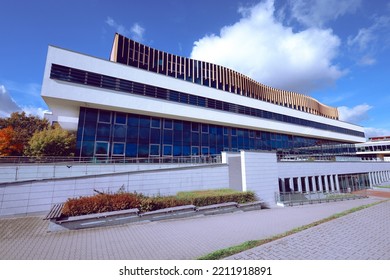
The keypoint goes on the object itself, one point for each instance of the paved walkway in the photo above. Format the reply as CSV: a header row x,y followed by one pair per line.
x,y
27,237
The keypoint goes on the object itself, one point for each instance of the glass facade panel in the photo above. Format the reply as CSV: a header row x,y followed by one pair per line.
x,y
118,149
145,136
101,148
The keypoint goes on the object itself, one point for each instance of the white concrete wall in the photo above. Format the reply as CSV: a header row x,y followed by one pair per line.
x,y
23,172
303,169
38,196
260,174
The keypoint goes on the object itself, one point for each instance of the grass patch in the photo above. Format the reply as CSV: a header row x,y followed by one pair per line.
x,y
383,187
223,253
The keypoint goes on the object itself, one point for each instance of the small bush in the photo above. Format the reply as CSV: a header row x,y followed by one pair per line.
x,y
120,201
100,203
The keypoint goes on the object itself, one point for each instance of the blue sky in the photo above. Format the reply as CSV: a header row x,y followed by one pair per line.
x,y
337,51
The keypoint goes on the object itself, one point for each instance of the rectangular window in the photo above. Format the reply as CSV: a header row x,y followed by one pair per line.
x,y
104,116
205,128
154,150
120,118
167,149
155,123
194,151
168,124
101,148
118,149
194,127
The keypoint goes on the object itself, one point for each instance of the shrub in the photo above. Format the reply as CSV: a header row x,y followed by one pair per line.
x,y
120,201
100,203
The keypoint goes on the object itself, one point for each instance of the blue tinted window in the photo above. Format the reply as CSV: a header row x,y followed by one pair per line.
x,y
103,132
119,132
194,151
104,116
155,136
168,124
118,149
154,150
131,149
120,118
167,150
101,148
156,123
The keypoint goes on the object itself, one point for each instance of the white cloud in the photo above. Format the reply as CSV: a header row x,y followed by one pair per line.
x,y
136,31
319,12
261,47
36,111
371,40
7,104
355,114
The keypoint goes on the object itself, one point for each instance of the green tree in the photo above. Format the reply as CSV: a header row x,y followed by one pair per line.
x,y
24,127
53,141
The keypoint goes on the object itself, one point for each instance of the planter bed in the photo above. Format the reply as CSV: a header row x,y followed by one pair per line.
x,y
133,215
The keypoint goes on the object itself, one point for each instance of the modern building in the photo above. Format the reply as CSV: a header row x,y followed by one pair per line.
x,y
145,102
376,148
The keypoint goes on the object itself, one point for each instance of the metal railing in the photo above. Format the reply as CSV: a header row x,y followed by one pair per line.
x,y
209,159
296,198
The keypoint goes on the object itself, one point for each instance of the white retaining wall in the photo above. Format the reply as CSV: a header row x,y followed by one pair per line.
x,y
252,171
38,196
23,172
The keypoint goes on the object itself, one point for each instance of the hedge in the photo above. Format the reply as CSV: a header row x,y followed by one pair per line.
x,y
120,201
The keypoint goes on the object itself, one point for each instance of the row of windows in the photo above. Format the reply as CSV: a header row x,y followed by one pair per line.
x,y
134,54
68,74
373,148
145,136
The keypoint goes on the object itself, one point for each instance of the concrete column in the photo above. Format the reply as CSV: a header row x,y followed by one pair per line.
x,y
337,182
307,187
320,183
370,179
283,185
313,182
374,182
299,184
326,177
332,188
290,184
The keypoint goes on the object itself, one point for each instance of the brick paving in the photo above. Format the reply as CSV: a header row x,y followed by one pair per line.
x,y
28,237
363,235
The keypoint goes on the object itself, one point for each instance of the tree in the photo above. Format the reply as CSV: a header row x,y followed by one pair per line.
x,y
8,145
53,141
24,127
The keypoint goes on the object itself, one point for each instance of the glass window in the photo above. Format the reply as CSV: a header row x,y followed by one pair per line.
x,y
119,132
156,123
103,132
194,127
167,150
155,136
154,150
118,149
205,150
104,116
131,149
168,124
194,151
101,148
205,128
120,118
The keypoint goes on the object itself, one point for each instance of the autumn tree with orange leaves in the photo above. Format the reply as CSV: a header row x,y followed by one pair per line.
x,y
17,130
9,146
